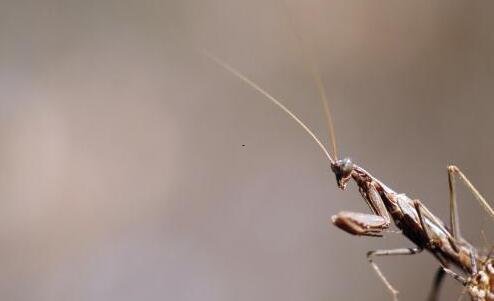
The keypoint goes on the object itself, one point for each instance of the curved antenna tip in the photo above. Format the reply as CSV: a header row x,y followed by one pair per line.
x,y
256,87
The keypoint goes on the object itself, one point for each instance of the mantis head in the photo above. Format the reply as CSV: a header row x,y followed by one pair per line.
x,y
343,171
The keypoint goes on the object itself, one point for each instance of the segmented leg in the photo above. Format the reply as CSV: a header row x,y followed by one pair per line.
x,y
453,208
403,251
438,279
455,276
452,171
436,285
422,211
360,223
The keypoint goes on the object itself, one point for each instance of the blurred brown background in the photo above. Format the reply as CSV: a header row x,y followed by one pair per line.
x,y
123,172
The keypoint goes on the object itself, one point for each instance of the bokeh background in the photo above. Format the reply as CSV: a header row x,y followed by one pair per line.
x,y
134,168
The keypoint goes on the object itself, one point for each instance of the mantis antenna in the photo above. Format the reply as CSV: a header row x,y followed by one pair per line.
x,y
256,87
311,63
327,110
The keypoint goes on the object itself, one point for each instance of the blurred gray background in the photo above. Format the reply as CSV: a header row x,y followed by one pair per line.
x,y
133,168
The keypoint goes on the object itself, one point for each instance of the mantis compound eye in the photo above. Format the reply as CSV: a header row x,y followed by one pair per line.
x,y
346,165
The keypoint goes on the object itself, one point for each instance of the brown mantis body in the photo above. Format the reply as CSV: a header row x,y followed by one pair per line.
x,y
416,222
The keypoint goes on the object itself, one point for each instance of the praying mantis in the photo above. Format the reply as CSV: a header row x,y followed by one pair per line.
x,y
456,256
